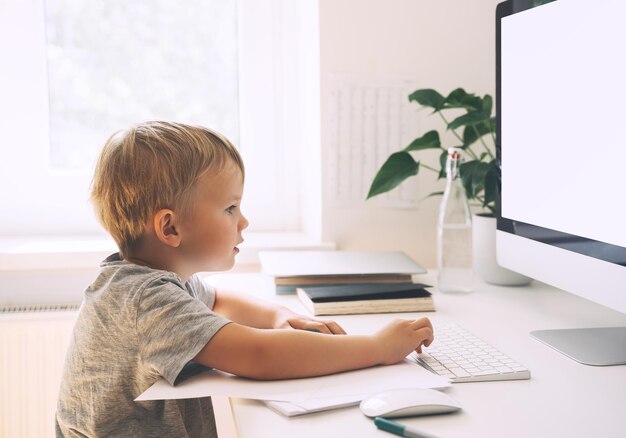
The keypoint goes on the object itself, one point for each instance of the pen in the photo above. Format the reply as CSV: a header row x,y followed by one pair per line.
x,y
398,429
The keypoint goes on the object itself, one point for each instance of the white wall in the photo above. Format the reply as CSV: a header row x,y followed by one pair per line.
x,y
442,44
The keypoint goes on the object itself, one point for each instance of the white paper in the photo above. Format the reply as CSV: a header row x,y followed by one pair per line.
x,y
292,409
369,120
363,382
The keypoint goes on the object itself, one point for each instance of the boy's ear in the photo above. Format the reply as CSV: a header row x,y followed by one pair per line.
x,y
166,227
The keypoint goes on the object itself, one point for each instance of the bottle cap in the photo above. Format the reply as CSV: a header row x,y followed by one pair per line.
x,y
454,153
453,163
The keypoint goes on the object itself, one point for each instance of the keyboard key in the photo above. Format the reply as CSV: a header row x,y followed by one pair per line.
x,y
485,372
459,372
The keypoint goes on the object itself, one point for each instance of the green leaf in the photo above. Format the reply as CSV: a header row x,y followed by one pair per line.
x,y
473,177
455,98
471,118
443,158
491,188
430,140
460,99
478,179
467,175
428,97
471,133
398,167
472,102
487,104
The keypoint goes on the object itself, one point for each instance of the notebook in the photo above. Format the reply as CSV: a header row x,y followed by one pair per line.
x,y
366,298
292,269
301,263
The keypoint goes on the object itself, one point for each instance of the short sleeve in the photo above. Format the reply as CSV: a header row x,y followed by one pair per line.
x,y
201,290
173,326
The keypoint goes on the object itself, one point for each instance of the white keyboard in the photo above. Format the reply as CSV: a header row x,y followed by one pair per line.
x,y
462,357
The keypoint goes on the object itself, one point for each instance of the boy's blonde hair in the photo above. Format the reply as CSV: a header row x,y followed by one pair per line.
x,y
151,166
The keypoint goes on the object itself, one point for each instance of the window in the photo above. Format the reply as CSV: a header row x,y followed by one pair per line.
x,y
73,72
111,63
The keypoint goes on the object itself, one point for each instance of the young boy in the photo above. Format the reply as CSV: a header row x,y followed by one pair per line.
x,y
170,195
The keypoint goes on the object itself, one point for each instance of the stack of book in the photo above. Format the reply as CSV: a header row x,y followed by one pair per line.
x,y
343,282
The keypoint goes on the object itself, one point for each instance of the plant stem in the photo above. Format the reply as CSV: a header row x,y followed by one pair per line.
x,y
429,168
469,151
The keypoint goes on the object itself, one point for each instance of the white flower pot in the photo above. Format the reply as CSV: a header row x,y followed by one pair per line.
x,y
484,251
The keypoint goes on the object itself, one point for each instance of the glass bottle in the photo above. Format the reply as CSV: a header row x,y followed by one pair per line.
x,y
454,232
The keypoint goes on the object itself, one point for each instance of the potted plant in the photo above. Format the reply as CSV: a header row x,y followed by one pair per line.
x,y
473,126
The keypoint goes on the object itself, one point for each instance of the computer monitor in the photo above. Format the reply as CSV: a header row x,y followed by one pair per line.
x,y
560,99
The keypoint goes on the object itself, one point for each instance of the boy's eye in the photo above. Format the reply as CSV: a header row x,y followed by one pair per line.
x,y
230,209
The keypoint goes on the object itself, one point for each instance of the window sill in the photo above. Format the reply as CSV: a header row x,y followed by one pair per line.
x,y
86,252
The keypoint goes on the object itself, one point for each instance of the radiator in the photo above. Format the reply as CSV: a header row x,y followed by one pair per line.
x,y
33,341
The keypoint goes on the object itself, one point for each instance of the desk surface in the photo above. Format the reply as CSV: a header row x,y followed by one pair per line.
x,y
562,398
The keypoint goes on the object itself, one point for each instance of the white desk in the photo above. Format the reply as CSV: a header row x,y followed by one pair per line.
x,y
562,399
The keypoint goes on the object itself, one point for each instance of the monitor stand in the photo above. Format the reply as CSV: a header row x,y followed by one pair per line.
x,y
590,346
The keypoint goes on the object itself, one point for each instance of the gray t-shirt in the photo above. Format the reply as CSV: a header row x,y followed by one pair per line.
x,y
135,325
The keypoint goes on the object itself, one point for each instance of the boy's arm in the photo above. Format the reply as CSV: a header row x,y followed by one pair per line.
x,y
253,312
282,354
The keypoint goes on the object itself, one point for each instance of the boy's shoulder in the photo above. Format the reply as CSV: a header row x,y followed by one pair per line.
x,y
122,280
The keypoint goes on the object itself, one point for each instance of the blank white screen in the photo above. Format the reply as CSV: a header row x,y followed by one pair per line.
x,y
563,98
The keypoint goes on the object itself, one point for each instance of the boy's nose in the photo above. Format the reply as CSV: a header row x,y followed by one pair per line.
x,y
243,223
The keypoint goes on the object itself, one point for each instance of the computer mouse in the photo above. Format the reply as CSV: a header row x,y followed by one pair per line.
x,y
408,402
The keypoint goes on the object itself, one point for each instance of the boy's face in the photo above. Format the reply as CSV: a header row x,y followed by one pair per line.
x,y
212,231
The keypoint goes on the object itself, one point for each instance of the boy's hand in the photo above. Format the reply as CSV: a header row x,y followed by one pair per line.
x,y
302,322
401,337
